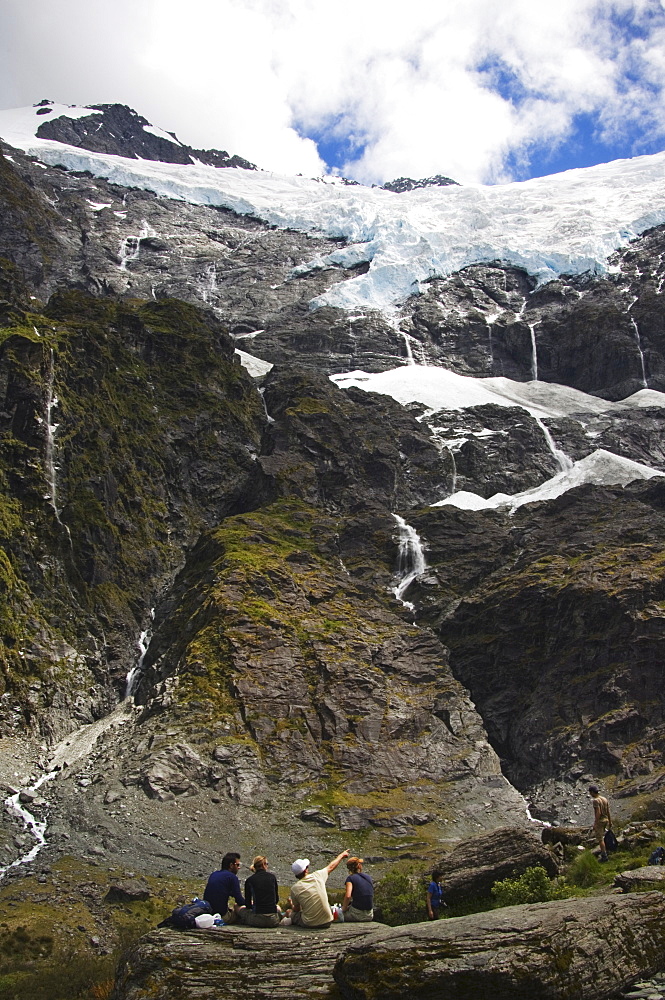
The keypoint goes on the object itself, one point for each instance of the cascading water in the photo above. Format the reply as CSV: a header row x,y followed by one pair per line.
x,y
638,340
50,402
135,672
36,828
209,283
130,246
407,342
410,560
534,352
564,462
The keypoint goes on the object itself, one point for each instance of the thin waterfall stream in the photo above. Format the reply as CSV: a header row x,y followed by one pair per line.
x,y
564,462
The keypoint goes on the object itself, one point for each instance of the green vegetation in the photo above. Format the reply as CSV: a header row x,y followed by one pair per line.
x,y
62,941
534,886
400,896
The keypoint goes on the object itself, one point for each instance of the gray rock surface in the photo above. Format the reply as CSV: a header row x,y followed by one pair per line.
x,y
649,877
288,962
588,948
473,867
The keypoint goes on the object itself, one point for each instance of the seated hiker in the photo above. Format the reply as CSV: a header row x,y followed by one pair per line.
x,y
221,885
261,896
434,896
359,897
310,906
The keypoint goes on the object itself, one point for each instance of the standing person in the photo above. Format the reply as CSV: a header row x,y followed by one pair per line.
x,y
358,901
221,885
309,897
602,820
261,896
434,896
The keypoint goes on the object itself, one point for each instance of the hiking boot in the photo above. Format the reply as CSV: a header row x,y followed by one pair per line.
x,y
603,857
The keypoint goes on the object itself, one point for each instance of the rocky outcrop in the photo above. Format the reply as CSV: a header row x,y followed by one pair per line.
x,y
649,877
472,868
120,131
285,962
319,680
587,948
329,447
547,614
401,184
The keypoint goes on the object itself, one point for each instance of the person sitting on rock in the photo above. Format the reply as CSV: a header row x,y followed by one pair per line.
x,y
359,898
434,896
221,885
261,896
309,899
602,819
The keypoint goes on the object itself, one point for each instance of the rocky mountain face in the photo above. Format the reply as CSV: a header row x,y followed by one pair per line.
x,y
236,544
120,131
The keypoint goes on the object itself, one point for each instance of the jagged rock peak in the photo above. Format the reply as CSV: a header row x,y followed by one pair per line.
x,y
401,184
121,131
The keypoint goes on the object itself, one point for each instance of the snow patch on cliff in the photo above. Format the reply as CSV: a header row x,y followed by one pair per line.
x,y
601,468
441,389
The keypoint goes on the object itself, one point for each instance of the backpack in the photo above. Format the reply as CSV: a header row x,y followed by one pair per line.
x,y
183,918
657,857
611,843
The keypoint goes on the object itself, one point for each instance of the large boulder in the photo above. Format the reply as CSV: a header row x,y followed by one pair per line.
x,y
473,867
282,962
561,950
649,877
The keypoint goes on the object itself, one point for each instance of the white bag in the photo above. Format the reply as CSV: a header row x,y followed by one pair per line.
x,y
204,920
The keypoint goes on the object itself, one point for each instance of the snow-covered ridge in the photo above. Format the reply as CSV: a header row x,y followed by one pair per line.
x,y
566,223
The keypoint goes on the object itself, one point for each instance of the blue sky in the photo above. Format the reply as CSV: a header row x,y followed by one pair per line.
x,y
486,91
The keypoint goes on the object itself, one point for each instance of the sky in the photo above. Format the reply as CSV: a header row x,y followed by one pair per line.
x,y
483,91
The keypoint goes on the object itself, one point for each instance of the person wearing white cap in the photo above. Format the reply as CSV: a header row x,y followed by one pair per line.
x,y
310,906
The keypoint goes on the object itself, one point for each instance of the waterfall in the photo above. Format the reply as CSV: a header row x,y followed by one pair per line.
x,y
134,674
35,828
454,485
130,246
209,283
410,560
564,462
534,353
407,342
636,329
50,402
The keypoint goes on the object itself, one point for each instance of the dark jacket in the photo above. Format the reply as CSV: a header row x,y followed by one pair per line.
x,y
261,892
221,885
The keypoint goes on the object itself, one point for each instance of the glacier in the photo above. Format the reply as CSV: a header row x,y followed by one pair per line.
x,y
567,223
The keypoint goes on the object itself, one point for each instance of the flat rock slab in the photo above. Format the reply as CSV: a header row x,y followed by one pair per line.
x,y
571,949
649,877
247,962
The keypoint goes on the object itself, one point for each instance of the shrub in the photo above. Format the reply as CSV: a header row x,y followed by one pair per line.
x,y
534,886
400,896
584,871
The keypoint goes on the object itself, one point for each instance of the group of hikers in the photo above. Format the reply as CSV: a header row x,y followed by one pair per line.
x,y
308,904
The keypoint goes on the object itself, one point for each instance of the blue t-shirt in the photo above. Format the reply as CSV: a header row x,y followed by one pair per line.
x,y
362,893
436,893
221,885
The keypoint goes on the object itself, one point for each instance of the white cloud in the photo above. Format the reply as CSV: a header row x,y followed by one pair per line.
x,y
433,87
